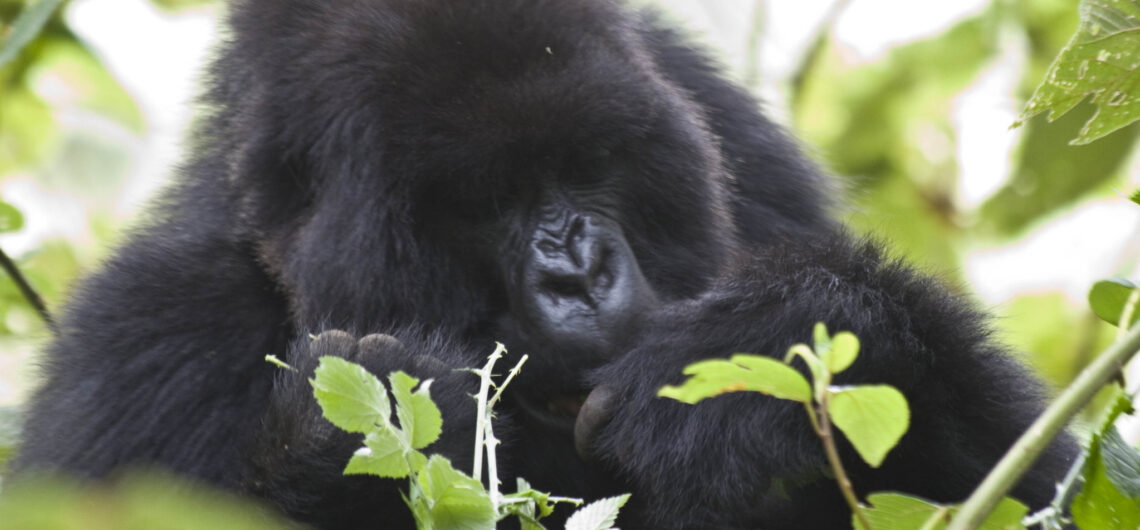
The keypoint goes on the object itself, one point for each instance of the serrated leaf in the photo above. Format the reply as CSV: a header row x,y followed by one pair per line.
x,y
1121,463
26,27
1100,504
1100,61
872,417
382,455
10,218
454,499
598,515
1135,197
743,372
350,397
1108,298
844,350
419,417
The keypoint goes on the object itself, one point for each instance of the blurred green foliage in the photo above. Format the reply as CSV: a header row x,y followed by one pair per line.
x,y
889,133
141,501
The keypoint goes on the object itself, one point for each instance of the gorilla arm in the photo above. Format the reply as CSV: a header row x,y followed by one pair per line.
x,y
716,462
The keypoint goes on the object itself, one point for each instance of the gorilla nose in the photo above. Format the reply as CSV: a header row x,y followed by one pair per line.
x,y
581,267
582,284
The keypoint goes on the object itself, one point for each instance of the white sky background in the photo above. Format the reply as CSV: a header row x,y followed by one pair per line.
x,y
157,57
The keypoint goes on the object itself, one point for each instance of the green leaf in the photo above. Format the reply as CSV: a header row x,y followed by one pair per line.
x,y
894,511
873,417
419,417
1007,515
454,499
26,27
1100,504
598,515
844,350
382,455
350,397
1135,197
1121,463
1108,298
743,372
10,218
1100,61
821,339
814,364
530,505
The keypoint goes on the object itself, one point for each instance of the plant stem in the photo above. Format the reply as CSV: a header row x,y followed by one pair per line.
x,y
489,439
26,288
845,486
1021,456
481,409
1127,312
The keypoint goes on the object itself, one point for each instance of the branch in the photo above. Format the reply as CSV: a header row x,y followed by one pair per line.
x,y
26,288
1021,456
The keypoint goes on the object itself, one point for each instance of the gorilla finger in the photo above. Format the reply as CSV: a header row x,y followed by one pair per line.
x,y
333,342
596,412
380,344
429,365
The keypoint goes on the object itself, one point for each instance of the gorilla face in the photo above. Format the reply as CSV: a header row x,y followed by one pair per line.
x,y
572,245
574,210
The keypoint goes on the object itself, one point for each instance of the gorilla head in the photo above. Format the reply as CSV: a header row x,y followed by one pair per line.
x,y
543,188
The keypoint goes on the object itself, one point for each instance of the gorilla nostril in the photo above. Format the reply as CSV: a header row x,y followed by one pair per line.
x,y
566,286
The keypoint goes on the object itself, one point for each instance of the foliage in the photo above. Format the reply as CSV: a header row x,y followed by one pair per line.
x,y
873,417
1099,63
139,501
439,495
895,511
1110,300
1110,497
26,27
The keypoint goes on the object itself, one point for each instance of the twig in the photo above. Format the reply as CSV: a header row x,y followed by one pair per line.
x,y
26,289
1027,448
815,52
825,434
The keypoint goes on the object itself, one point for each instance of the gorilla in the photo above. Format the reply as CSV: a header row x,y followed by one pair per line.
x,y
411,180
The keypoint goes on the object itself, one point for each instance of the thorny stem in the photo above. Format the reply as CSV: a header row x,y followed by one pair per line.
x,y
489,438
485,441
481,408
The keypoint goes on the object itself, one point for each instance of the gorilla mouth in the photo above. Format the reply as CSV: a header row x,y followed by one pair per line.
x,y
556,412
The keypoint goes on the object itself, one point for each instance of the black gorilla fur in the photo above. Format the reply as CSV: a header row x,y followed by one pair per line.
x,y
569,177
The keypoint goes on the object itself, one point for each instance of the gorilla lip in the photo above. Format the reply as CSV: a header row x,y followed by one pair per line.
x,y
558,412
